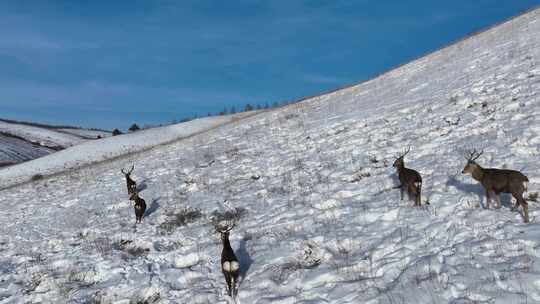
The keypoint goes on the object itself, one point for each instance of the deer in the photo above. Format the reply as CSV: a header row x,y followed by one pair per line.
x,y
230,267
498,181
131,184
140,206
409,179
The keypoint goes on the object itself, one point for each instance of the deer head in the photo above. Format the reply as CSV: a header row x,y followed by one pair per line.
x,y
399,159
127,174
224,228
471,164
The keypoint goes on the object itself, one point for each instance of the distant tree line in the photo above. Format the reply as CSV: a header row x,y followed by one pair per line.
x,y
226,111
232,110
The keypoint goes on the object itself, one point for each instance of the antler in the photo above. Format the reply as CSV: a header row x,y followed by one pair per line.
x,y
473,155
130,170
224,227
404,153
408,150
224,222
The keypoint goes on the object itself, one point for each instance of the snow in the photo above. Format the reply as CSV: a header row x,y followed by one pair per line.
x,y
14,150
320,220
95,151
21,142
43,136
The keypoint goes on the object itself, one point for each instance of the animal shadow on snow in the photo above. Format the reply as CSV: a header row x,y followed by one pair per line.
x,y
141,186
476,188
153,207
244,259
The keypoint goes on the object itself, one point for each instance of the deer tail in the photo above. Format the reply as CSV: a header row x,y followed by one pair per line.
x,y
526,185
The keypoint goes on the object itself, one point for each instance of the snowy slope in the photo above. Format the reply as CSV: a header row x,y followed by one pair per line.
x,y
94,151
14,150
321,222
43,136
20,142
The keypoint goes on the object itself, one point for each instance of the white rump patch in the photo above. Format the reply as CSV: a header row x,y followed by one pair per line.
x,y
231,266
526,185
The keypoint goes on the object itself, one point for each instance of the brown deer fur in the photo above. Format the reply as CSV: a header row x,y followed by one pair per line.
x,y
130,183
499,181
410,180
140,206
230,267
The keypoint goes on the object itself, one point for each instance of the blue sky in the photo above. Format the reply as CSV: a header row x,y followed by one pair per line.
x,y
110,63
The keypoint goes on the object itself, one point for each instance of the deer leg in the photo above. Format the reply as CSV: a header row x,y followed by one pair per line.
x,y
524,204
488,199
233,286
498,198
516,205
418,194
411,193
401,191
525,210
228,281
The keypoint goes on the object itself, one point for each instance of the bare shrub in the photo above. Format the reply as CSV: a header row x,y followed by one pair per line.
x,y
182,218
233,152
360,175
234,215
533,197
36,177
75,280
137,251
308,258
132,252
280,273
154,298
102,245
95,298
278,190
290,116
33,282
346,261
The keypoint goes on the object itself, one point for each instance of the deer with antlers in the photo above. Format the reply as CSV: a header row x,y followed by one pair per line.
x,y
229,263
497,181
131,184
140,206
410,179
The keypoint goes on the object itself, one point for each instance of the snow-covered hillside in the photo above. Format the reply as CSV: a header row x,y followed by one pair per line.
x,y
20,142
91,152
313,187
14,149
